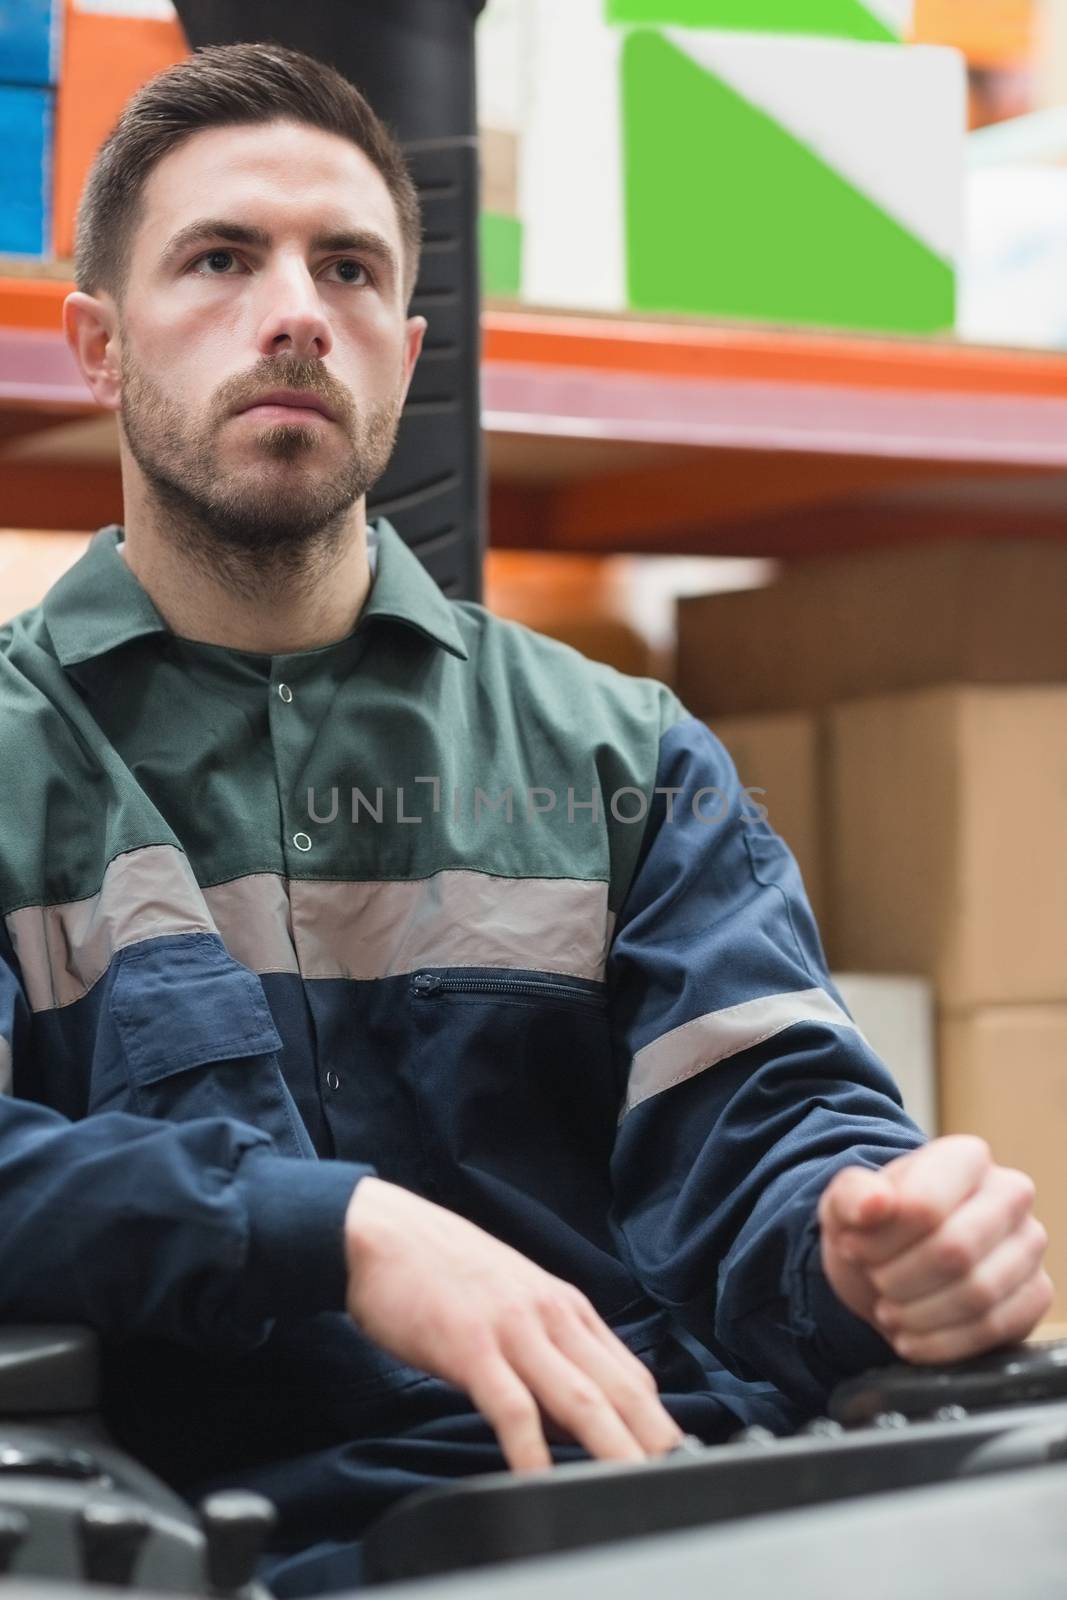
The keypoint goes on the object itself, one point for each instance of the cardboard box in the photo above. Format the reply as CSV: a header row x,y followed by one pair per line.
x,y
877,621
106,57
782,756
896,1017
26,117
948,841
1003,1075
30,33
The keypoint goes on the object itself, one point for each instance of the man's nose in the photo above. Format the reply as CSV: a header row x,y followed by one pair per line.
x,y
293,322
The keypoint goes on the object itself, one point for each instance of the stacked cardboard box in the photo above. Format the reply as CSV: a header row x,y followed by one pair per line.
x,y
949,854
949,857
934,684
879,622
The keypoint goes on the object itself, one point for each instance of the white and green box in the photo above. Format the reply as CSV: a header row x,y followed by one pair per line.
x,y
876,21
783,178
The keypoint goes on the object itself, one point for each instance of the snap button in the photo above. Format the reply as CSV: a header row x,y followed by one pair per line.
x,y
285,692
301,841
333,1080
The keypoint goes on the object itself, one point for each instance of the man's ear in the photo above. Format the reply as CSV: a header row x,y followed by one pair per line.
x,y
91,328
414,334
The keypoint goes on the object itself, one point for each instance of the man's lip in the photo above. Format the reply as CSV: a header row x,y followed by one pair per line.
x,y
297,400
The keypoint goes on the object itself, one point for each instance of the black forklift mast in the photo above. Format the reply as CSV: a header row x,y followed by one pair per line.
x,y
414,61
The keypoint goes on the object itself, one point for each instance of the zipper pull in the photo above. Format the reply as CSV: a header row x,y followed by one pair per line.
x,y
425,983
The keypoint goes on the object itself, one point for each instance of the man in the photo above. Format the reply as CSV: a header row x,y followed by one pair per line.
x,y
420,1051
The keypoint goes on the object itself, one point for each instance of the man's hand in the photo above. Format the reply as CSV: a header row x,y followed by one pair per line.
x,y
939,1250
439,1293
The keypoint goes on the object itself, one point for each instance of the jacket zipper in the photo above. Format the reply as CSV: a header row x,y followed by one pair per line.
x,y
431,983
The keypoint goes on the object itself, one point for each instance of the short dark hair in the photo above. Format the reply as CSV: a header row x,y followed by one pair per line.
x,y
221,86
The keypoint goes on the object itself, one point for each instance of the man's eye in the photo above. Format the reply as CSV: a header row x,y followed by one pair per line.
x,y
215,264
352,271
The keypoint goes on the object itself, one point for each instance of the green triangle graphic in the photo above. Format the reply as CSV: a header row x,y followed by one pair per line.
x,y
840,19
727,214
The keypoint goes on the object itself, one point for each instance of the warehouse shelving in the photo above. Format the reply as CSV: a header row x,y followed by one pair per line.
x,y
652,435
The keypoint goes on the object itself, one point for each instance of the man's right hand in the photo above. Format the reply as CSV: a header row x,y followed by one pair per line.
x,y
439,1293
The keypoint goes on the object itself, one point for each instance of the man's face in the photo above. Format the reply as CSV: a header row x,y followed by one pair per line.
x,y
268,259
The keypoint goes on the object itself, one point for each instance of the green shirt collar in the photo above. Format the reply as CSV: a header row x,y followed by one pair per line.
x,y
99,604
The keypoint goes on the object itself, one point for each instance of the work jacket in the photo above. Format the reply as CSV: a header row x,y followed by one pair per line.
x,y
442,901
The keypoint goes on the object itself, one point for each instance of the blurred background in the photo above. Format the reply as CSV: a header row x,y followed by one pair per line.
x,y
773,378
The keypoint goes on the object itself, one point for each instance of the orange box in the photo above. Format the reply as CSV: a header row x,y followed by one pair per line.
x,y
991,33
105,59
584,601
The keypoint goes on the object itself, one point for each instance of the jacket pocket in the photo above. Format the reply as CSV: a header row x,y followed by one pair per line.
x,y
518,1095
199,1040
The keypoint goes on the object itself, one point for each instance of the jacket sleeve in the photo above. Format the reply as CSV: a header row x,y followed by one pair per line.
x,y
197,1232
747,1084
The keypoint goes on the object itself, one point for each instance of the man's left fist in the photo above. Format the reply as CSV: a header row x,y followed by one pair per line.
x,y
939,1250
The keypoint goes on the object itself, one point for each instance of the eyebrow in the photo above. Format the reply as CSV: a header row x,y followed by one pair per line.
x,y
207,230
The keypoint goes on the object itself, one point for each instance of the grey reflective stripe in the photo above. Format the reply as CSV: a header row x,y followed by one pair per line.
x,y
690,1049
380,930
5,1067
62,950
320,930
252,917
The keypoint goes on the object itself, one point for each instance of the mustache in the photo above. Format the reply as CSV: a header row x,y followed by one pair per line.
x,y
287,373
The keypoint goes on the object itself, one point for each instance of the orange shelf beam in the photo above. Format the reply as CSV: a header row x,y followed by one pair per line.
x,y
667,349
33,304
767,355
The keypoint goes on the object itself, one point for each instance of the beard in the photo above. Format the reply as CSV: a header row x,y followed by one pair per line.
x,y
277,518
